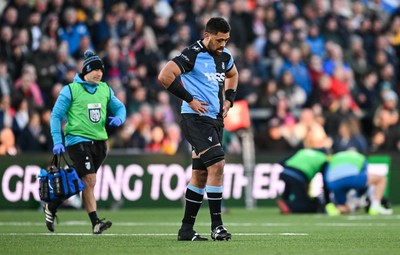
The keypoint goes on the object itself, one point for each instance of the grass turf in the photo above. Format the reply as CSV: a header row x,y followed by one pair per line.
x,y
154,231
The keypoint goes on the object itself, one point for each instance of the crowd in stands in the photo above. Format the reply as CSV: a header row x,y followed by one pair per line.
x,y
322,67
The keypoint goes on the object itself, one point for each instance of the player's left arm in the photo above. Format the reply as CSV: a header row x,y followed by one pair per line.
x,y
231,83
116,107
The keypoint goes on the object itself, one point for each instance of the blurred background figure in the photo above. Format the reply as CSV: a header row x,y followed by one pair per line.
x,y
349,137
299,170
7,143
347,170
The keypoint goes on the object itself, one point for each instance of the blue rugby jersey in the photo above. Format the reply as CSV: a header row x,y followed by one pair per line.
x,y
203,76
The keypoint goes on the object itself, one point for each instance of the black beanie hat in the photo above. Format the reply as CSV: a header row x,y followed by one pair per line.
x,y
91,62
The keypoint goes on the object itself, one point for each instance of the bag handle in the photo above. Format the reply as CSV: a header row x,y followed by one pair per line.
x,y
56,161
62,154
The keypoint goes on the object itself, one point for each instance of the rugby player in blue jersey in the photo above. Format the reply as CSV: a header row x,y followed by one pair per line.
x,y
205,77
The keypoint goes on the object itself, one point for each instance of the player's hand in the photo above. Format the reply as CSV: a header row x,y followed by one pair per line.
x,y
58,149
225,108
199,107
115,121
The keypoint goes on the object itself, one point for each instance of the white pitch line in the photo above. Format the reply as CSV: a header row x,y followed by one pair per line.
x,y
140,224
144,234
232,224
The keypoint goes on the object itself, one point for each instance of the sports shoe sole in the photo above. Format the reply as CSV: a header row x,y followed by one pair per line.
x,y
225,237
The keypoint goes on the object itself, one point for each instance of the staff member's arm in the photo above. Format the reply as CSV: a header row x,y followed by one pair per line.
x,y
168,78
58,113
117,109
231,83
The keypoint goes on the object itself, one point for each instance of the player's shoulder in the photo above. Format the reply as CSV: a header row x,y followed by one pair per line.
x,y
226,56
197,47
190,53
227,51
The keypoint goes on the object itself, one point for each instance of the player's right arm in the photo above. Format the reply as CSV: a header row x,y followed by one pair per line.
x,y
168,78
58,112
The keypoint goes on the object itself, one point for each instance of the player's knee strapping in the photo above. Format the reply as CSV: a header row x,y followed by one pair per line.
x,y
212,156
197,164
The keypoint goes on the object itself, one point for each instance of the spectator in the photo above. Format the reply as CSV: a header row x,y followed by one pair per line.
x,y
34,30
385,136
246,90
340,87
366,98
389,103
342,111
335,60
33,138
72,31
10,17
288,132
6,113
273,140
5,79
23,8
7,143
157,139
44,61
296,66
50,26
26,85
258,67
113,65
357,58
6,34
316,41
349,137
387,77
173,142
21,115
307,122
268,96
296,96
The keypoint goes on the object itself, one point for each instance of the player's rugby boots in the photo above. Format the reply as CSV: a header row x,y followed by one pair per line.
x,y
101,226
50,217
190,235
220,234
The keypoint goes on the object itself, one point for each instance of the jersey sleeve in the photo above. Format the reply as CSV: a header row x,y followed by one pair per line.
x,y
186,60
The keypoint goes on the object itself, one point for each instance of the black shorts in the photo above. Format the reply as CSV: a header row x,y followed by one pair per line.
x,y
87,157
201,132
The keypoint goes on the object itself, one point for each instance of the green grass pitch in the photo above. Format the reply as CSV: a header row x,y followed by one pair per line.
x,y
154,231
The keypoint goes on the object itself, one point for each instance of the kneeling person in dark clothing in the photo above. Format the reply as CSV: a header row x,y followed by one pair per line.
x,y
298,172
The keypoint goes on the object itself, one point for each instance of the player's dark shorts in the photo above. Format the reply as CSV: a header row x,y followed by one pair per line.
x,y
201,132
87,157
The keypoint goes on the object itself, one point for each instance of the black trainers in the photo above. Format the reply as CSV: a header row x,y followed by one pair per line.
x,y
190,235
101,226
220,234
50,217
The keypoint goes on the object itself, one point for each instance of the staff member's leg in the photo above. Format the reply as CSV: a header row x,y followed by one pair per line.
x,y
87,158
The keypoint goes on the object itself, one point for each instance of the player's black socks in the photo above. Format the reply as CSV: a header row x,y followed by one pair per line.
x,y
93,217
194,198
214,194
